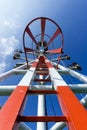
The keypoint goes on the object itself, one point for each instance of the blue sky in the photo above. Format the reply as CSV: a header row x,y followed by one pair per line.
x,y
71,15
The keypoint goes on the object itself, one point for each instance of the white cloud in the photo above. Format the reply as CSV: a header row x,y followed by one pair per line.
x,y
10,24
2,67
7,46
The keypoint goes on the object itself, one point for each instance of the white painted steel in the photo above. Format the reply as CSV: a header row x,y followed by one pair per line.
x,y
56,78
8,73
6,90
58,126
11,72
84,101
41,108
23,126
63,71
79,76
57,81
78,88
28,77
41,112
41,87
61,125
19,71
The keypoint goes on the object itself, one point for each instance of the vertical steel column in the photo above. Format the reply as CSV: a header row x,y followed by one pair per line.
x,y
72,109
41,105
41,112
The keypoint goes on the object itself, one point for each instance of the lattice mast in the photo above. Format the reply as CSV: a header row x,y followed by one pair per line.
x,y
43,75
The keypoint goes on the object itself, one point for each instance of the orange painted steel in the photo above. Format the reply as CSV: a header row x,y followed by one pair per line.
x,y
59,50
72,109
34,64
12,107
41,118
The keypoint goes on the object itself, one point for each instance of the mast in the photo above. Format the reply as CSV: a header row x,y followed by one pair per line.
x,y
42,71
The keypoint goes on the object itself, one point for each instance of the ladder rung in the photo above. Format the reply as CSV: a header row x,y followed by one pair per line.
x,y
42,92
42,80
42,72
42,66
41,118
41,69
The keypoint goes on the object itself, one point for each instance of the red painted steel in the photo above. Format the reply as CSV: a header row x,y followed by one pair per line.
x,y
31,35
42,92
43,21
28,49
12,107
49,65
42,80
59,50
35,64
72,109
42,59
57,32
41,118
40,72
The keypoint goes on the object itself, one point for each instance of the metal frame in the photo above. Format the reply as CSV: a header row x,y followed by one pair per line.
x,y
55,79
43,71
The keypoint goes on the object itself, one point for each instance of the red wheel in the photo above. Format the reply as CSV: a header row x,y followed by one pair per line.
x,y
46,37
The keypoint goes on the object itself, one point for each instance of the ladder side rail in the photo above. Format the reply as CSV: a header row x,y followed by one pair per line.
x,y
28,77
8,115
61,125
9,73
55,76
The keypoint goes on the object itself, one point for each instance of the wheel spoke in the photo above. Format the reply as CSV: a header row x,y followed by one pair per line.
x,y
54,36
30,34
58,51
43,24
28,49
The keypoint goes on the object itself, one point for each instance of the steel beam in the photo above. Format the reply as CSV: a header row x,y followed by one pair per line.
x,y
76,117
28,77
42,118
12,107
84,101
75,74
76,88
56,78
61,125
9,73
23,126
58,126
41,112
